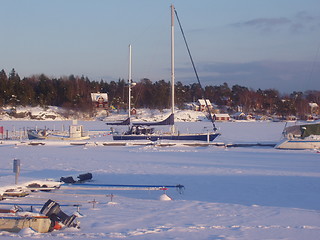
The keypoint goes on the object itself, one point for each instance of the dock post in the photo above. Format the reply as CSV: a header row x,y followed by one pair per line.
x,y
16,169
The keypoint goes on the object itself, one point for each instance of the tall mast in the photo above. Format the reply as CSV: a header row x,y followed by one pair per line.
x,y
172,65
129,83
172,59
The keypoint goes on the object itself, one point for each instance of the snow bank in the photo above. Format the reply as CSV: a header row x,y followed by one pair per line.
x,y
33,113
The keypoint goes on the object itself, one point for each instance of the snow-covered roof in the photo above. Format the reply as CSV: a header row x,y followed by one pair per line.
x,y
203,102
238,114
222,115
313,105
96,96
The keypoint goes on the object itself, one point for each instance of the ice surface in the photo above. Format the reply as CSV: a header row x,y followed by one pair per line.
x,y
230,193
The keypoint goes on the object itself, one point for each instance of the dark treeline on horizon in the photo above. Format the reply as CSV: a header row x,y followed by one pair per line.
x,y
73,92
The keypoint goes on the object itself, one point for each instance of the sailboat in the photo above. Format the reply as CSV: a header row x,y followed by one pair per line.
x,y
130,85
139,131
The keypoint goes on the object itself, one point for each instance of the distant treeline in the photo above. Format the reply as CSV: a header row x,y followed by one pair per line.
x,y
74,92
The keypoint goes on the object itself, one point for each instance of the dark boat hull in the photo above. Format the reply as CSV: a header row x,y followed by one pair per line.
x,y
175,137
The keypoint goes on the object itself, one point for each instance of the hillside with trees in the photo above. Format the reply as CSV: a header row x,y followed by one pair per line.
x,y
73,92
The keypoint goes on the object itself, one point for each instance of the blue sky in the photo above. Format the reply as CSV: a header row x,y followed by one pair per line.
x,y
254,43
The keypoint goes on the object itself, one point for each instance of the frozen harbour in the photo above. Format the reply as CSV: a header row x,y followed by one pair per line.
x,y
230,193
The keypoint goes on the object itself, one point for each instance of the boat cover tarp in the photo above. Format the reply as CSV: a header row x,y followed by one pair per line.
x,y
124,122
310,129
294,130
168,121
304,130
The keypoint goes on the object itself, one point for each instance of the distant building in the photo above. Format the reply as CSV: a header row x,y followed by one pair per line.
x,y
242,116
133,111
239,116
100,100
314,107
262,118
221,117
202,105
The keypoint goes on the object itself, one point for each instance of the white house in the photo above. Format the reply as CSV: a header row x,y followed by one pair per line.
x,y
202,106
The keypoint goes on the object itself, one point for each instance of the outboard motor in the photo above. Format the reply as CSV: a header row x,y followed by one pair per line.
x,y
52,210
67,180
85,177
82,178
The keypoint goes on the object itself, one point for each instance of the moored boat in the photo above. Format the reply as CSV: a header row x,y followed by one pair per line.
x,y
75,133
167,136
142,131
305,136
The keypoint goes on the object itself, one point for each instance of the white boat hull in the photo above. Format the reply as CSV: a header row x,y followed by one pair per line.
x,y
299,144
34,135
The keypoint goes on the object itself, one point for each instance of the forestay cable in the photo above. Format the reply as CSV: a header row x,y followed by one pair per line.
x,y
195,70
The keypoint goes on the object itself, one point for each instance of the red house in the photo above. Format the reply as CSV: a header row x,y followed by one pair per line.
x,y
100,100
221,117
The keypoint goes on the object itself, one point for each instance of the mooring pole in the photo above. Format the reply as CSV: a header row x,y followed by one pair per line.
x,y
16,169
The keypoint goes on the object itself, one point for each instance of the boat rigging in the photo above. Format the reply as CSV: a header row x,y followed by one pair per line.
x,y
137,131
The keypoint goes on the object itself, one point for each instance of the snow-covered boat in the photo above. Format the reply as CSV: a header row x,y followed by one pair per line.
x,y
305,136
142,131
14,223
75,133
50,217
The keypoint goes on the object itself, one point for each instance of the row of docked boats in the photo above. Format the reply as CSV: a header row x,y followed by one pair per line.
x,y
297,137
303,137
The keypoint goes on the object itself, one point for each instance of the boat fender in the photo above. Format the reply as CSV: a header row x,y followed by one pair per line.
x,y
57,226
290,136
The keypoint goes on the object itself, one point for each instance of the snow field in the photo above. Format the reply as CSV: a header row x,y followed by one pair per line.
x,y
230,193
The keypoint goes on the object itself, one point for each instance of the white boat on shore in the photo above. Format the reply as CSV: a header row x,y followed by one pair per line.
x,y
305,136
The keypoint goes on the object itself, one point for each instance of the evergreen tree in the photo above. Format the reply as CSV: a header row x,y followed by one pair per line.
x,y
74,92
3,87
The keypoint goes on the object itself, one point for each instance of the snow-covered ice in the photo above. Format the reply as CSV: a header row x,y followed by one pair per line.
x,y
230,193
